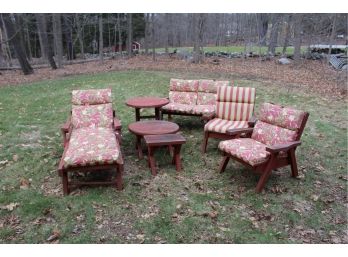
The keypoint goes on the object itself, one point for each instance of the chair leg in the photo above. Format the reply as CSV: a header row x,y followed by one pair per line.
x,y
264,177
176,158
169,117
293,163
65,182
205,141
119,179
223,163
152,161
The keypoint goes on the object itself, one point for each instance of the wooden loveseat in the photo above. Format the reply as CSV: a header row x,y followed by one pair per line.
x,y
192,97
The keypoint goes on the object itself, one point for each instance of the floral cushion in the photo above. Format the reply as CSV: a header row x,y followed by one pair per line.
x,y
285,117
178,108
189,98
203,109
206,98
182,85
100,115
246,149
220,125
272,135
207,86
91,96
92,146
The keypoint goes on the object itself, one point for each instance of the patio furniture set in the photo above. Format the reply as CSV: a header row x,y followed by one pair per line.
x,y
92,133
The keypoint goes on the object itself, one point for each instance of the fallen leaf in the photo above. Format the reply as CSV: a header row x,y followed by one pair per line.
x,y
3,162
9,207
315,198
24,183
15,157
54,236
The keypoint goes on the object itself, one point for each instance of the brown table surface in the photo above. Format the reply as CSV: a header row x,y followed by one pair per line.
x,y
147,102
153,127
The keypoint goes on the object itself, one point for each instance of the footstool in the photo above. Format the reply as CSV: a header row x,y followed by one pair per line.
x,y
172,141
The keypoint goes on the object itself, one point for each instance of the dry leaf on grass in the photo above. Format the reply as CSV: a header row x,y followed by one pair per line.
x,y
54,236
9,207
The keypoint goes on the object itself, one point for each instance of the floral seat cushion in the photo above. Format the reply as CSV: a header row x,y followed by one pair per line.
x,y
100,115
92,146
203,109
91,96
246,149
179,108
221,125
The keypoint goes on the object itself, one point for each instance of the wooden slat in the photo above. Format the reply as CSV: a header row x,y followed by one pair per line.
x,y
164,139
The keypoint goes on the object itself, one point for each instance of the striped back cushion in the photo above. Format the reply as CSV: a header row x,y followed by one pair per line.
x,y
235,103
91,96
182,85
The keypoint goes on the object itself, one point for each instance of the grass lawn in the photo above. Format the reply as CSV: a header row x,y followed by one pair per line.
x,y
197,206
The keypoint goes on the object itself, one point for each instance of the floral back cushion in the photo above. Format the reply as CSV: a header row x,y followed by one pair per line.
x,y
207,86
206,98
100,115
183,85
269,134
285,117
189,98
91,96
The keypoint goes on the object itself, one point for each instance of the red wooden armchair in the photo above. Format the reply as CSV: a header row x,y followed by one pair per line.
x,y
234,109
91,138
271,144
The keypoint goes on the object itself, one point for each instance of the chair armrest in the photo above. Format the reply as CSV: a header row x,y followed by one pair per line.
x,y
208,116
66,126
252,121
117,124
282,147
235,132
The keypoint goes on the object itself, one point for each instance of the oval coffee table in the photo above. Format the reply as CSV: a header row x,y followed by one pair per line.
x,y
147,102
151,127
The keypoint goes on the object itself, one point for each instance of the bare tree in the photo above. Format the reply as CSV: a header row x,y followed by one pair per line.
x,y
153,42
57,36
276,19
68,36
333,34
198,32
166,26
42,28
297,36
129,35
287,33
119,33
262,20
101,43
13,36
80,34
147,33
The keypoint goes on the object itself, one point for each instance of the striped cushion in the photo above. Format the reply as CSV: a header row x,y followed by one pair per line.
x,y
235,103
220,125
182,85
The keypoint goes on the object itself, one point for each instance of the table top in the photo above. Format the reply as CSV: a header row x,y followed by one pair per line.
x,y
153,127
147,102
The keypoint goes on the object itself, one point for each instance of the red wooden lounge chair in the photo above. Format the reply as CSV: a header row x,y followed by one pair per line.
x,y
271,144
91,139
234,109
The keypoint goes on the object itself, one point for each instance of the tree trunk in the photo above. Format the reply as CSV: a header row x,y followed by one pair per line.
x,y
332,36
166,24
129,35
147,33
27,39
198,32
57,36
6,44
153,37
68,38
119,33
276,19
42,27
80,35
101,43
18,48
297,36
262,20
287,33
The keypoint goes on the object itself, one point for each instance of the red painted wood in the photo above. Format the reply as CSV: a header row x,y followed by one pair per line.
x,y
147,102
153,127
164,139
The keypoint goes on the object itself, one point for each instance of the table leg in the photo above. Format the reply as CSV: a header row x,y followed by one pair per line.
x,y
152,160
176,157
137,114
138,146
157,113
